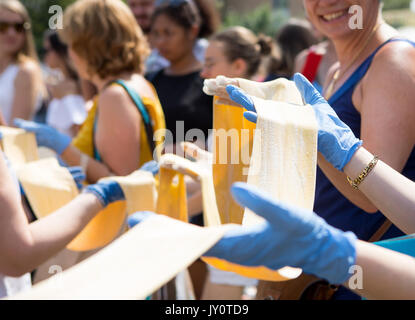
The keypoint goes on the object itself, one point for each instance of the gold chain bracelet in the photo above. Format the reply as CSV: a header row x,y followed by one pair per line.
x,y
356,182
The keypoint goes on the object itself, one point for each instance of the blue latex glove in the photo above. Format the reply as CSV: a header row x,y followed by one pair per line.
x,y
240,97
78,175
45,136
151,166
107,192
336,141
138,217
289,237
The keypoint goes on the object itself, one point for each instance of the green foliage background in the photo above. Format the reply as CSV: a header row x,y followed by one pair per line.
x,y
396,4
261,20
39,12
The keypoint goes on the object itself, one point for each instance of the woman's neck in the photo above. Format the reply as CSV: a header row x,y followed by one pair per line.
x,y
187,64
347,48
101,83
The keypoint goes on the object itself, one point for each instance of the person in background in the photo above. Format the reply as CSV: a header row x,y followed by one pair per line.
x,y
142,10
117,136
176,26
66,111
372,91
292,38
22,89
210,20
315,62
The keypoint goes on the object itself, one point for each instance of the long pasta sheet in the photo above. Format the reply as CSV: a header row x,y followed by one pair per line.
x,y
49,187
283,162
133,266
19,146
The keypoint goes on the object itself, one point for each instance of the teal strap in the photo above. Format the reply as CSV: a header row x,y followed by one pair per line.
x,y
137,100
405,245
144,114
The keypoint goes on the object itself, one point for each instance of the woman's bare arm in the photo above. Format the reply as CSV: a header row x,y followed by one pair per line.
x,y
387,189
385,274
27,90
25,246
387,117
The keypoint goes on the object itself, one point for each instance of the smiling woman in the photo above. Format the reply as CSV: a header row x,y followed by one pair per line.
x,y
372,91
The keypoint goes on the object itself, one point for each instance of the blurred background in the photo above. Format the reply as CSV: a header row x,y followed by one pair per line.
x,y
261,16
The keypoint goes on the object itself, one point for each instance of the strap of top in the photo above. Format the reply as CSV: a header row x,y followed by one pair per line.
x,y
362,70
143,112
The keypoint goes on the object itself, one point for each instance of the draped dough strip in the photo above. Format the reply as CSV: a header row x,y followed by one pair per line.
x,y
212,218
232,143
49,186
19,146
229,124
133,266
283,161
194,170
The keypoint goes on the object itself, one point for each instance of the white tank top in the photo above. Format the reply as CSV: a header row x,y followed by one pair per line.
x,y
7,92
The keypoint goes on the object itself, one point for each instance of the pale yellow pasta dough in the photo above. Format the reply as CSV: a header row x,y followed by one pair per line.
x,y
133,266
19,146
49,186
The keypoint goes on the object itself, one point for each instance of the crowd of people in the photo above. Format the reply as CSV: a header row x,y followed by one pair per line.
x,y
118,75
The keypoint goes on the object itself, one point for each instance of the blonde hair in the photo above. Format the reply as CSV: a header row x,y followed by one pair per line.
x,y
28,51
106,35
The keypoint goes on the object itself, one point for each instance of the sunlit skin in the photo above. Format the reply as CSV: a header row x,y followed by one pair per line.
x,y
175,43
319,11
142,10
11,41
216,63
384,96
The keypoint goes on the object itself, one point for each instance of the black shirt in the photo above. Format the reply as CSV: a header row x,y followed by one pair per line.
x,y
183,99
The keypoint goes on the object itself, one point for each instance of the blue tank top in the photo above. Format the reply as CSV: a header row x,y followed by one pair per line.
x,y
330,204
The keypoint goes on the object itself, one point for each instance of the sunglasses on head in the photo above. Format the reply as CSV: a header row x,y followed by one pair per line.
x,y
18,27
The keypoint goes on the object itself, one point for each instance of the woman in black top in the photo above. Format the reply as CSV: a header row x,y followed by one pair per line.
x,y
176,26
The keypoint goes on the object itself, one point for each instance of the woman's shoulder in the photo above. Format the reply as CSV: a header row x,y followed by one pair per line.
x,y
28,74
28,67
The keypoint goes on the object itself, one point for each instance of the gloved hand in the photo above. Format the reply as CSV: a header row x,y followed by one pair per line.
x,y
138,217
78,175
151,166
336,141
107,192
45,136
289,237
240,97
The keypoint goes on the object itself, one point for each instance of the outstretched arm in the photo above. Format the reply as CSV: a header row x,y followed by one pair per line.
x,y
25,246
386,274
